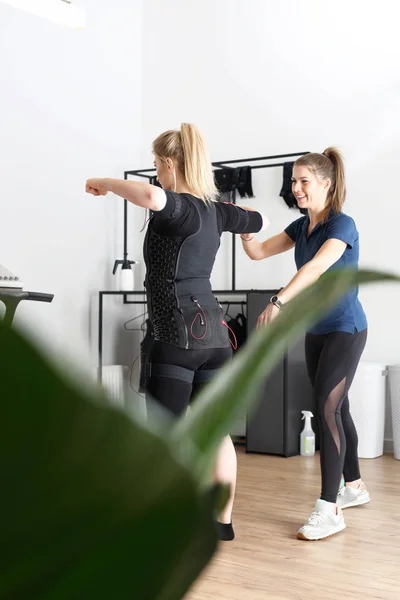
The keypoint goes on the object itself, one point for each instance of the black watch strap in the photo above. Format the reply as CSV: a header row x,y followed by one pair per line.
x,y
275,300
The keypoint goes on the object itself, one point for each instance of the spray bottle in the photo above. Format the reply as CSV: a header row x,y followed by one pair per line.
x,y
307,437
126,281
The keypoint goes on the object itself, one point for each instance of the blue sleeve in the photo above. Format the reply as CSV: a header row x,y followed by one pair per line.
x,y
293,229
342,227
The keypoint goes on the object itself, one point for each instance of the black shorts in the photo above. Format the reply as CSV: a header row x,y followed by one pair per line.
x,y
175,375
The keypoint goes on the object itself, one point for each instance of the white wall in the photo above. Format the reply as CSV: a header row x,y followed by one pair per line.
x,y
259,78
70,108
266,77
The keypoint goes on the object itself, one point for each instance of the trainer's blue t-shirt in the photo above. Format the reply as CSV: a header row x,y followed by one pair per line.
x,y
348,315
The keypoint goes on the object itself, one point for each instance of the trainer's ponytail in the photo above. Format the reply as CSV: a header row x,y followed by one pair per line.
x,y
337,191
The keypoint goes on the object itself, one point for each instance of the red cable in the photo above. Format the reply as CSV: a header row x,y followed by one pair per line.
x,y
233,344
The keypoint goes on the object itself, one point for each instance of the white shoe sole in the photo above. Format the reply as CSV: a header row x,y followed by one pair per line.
x,y
301,536
356,502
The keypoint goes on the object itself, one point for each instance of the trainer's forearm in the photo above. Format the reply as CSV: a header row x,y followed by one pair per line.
x,y
251,246
304,277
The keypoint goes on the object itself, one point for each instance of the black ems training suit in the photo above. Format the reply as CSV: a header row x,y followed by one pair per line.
x,y
191,338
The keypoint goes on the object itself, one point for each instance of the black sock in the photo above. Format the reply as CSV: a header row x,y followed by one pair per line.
x,y
225,531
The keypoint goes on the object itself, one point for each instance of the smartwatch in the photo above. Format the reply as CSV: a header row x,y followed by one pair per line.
x,y
275,300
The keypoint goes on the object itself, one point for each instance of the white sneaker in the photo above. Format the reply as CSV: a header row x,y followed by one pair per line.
x,y
348,496
325,520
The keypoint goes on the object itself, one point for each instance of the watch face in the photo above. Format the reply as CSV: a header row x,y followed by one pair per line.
x,y
274,299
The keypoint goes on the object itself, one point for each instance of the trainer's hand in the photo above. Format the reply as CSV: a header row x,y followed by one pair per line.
x,y
96,187
268,315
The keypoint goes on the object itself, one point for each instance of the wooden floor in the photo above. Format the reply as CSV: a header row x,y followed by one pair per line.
x,y
274,497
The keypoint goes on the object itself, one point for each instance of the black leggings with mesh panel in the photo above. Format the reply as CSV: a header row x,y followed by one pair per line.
x,y
332,361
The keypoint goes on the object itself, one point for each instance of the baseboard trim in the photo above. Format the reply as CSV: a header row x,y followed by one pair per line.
x,y
388,446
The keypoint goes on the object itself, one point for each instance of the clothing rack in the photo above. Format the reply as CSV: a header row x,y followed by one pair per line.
x,y
221,164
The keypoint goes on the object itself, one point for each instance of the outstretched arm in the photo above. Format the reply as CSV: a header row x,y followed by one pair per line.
x,y
240,219
275,245
137,192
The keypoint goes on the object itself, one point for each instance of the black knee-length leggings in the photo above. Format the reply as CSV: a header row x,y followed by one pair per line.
x,y
175,391
332,361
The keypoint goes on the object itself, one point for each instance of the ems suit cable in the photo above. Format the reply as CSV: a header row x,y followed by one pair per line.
x,y
203,320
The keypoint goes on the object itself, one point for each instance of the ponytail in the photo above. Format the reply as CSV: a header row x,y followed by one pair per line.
x,y
188,148
197,164
337,192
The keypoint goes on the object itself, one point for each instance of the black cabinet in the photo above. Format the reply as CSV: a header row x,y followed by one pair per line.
x,y
275,425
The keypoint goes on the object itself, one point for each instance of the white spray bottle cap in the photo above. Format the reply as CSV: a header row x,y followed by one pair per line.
x,y
307,414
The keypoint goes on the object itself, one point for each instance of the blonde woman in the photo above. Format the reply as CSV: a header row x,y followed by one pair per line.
x,y
325,239
182,240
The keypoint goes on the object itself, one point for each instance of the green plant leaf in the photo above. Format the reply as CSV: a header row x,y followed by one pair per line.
x,y
95,505
237,384
92,504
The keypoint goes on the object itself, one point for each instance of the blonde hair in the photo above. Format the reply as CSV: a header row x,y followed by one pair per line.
x,y
188,148
328,165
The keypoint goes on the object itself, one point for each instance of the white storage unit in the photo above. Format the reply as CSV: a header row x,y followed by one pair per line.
x,y
394,382
367,406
